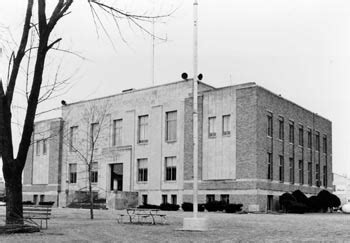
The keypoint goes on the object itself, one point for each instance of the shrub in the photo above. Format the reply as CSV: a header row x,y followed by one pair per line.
x,y
233,208
149,206
285,199
27,203
49,203
169,207
300,197
188,207
296,207
327,200
215,206
314,204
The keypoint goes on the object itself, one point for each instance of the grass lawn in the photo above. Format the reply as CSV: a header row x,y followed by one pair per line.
x,y
74,225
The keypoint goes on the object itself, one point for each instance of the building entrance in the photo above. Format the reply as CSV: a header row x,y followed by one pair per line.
x,y
116,177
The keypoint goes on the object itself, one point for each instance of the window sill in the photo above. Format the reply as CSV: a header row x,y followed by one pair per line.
x,y
212,136
142,142
142,182
170,141
170,182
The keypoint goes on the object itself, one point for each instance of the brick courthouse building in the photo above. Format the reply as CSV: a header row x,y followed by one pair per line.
x,y
253,146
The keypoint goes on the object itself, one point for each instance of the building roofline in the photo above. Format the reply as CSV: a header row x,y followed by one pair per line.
x,y
47,120
281,97
138,90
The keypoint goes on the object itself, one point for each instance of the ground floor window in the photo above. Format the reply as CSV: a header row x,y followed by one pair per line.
x,y
94,172
225,198
174,199
164,199
144,199
210,198
72,173
269,202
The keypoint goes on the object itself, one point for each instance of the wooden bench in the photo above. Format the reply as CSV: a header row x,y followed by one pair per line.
x,y
34,212
139,215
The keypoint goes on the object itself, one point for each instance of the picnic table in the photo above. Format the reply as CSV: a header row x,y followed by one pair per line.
x,y
141,215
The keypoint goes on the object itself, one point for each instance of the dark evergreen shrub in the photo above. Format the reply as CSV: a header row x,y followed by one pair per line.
x,y
328,200
169,207
233,208
215,206
285,200
314,204
149,206
296,207
27,203
300,197
188,207
49,203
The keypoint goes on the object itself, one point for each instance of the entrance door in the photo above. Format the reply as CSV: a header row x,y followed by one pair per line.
x,y
269,202
116,177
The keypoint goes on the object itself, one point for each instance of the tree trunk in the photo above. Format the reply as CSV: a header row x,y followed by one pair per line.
x,y
14,208
91,196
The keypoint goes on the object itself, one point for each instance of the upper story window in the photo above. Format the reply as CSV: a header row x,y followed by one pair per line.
x,y
291,132
212,130
143,129
142,170
281,128
324,146
94,130
38,147
170,126
170,168
317,141
301,172
269,166
117,132
269,125
44,145
309,138
301,135
226,125
73,173
73,138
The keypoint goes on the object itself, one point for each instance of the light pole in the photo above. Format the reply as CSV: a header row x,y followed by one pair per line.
x,y
195,223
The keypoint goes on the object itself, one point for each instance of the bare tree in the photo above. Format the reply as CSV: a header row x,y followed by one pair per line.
x,y
13,164
91,127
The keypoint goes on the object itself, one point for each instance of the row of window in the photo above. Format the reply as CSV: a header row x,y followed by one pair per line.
x,y
300,171
209,198
117,130
73,172
170,169
226,126
41,147
300,133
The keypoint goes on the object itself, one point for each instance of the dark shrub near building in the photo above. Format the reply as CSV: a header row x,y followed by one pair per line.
x,y
215,206
327,200
169,207
188,207
314,204
27,203
291,205
300,197
233,208
50,203
149,206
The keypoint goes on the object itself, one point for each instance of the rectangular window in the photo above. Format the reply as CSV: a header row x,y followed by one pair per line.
x,y
291,132
317,141
143,129
164,198
309,138
301,172
170,168
269,125
324,146
170,126
174,199
210,198
269,166
144,199
94,130
117,132
301,135
281,169
281,128
212,130
38,147
226,125
309,173
142,170
317,175
73,138
291,170
72,173
325,176
44,145
94,172
225,198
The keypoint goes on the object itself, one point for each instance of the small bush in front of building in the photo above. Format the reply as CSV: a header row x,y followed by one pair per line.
x,y
296,207
27,203
149,206
169,207
300,197
49,203
314,204
327,200
285,201
215,206
188,207
233,208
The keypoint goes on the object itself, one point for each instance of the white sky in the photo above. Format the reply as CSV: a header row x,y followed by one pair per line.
x,y
297,48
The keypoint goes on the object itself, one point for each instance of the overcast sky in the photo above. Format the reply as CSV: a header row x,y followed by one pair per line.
x,y
297,48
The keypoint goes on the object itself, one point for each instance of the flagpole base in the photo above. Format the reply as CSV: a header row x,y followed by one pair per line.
x,y
195,224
